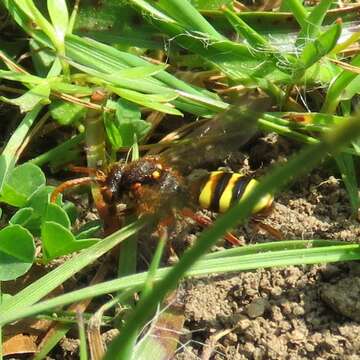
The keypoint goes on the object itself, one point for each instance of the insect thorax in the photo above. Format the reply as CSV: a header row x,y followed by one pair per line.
x,y
147,185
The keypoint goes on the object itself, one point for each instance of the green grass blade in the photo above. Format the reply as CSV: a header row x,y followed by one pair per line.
x,y
281,129
297,9
313,22
60,331
314,51
154,266
247,32
82,337
58,151
281,258
272,246
333,94
127,257
144,5
185,13
345,162
9,156
298,255
78,48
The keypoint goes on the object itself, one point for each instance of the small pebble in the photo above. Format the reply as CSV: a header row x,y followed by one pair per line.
x,y
256,308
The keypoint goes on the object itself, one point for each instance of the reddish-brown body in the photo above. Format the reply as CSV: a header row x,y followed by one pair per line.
x,y
145,186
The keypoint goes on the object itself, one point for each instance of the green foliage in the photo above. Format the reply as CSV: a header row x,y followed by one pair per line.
x,y
128,117
57,241
38,95
25,188
23,217
311,27
124,124
210,5
66,113
9,155
317,49
21,184
69,69
59,17
56,214
17,252
89,230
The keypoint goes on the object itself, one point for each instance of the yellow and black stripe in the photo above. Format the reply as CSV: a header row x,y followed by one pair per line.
x,y
221,190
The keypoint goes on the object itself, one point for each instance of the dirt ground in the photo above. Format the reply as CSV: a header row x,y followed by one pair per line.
x,y
298,312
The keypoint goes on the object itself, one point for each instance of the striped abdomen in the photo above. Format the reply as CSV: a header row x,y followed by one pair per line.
x,y
221,190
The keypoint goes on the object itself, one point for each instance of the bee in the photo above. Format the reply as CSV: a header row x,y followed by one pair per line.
x,y
156,184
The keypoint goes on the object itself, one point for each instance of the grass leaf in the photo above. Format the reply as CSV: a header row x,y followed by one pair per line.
x,y
346,166
38,95
311,27
59,16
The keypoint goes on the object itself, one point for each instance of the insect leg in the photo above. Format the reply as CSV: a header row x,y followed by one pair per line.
x,y
277,234
205,222
162,229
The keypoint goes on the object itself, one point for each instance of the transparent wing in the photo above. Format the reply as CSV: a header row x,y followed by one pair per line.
x,y
217,137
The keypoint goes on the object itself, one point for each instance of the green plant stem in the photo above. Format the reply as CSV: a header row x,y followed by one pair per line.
x,y
155,263
333,95
127,264
95,148
66,317
128,257
1,337
58,151
286,131
95,139
275,181
82,337
298,11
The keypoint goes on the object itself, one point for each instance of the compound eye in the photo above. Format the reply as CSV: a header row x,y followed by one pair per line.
x,y
156,174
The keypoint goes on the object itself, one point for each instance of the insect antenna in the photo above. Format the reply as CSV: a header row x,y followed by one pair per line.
x,y
83,170
68,185
94,175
